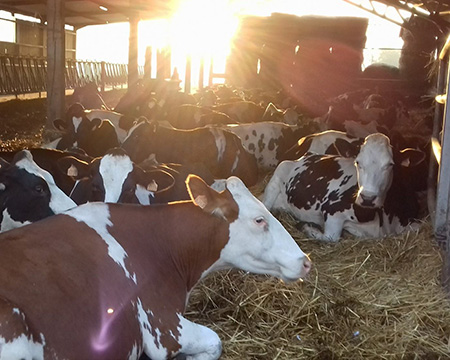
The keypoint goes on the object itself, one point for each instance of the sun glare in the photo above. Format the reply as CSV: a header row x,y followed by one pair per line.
x,y
203,31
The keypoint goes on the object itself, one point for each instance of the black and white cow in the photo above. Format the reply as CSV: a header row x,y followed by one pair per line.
x,y
114,178
367,196
269,141
220,151
28,193
76,116
330,142
95,137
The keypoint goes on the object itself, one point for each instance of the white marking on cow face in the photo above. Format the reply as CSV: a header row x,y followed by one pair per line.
x,y
21,347
59,201
152,344
114,169
9,223
220,142
374,166
96,216
76,122
258,242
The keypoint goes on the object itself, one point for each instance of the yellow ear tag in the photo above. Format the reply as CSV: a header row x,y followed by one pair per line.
x,y
72,171
153,186
201,201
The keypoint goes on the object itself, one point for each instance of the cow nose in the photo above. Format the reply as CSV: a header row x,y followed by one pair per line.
x,y
307,266
368,198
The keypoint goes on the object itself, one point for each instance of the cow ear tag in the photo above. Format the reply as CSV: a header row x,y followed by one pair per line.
x,y
201,201
72,171
153,186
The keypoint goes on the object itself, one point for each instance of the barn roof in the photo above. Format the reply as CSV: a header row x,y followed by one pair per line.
x,y
79,13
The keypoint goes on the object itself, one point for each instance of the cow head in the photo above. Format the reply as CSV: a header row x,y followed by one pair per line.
x,y
114,178
137,144
75,114
377,163
28,192
374,167
257,241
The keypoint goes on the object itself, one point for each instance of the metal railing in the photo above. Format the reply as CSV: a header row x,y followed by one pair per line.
x,y
439,201
22,74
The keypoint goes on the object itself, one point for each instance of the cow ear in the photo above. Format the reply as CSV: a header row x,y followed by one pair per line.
x,y
73,167
344,148
156,180
220,204
126,122
411,157
60,124
270,110
96,123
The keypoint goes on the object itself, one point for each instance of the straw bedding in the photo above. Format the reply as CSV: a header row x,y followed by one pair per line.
x,y
372,299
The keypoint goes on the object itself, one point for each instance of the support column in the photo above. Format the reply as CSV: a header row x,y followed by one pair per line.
x,y
133,75
55,61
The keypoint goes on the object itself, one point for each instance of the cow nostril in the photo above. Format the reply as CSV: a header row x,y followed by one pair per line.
x,y
307,265
368,198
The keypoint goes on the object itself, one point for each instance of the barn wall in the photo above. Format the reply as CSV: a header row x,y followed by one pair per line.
x,y
311,57
31,40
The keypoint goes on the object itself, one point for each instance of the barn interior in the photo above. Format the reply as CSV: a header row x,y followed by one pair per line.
x,y
374,299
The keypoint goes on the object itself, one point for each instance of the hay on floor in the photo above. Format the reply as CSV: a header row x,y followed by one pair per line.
x,y
371,299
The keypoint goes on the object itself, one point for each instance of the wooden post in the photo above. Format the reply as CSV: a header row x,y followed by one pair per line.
x,y
55,61
187,75
102,76
133,75
148,63
211,72
201,74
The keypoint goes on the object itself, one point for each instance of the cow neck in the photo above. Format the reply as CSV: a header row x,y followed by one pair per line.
x,y
187,240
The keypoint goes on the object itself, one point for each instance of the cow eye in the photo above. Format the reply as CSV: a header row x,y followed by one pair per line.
x,y
261,222
39,189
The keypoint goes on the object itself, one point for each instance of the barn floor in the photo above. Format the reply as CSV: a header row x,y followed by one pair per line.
x,y
363,299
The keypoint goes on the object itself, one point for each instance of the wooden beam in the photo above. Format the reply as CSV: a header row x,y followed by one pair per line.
x,y
133,75
55,61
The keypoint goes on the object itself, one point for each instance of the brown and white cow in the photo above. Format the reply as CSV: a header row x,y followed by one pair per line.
x,y
111,281
219,150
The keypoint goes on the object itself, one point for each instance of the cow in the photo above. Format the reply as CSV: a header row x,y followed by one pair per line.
x,y
28,193
367,196
180,173
190,116
114,178
241,111
89,96
117,277
220,151
77,117
331,142
47,159
289,116
269,141
95,137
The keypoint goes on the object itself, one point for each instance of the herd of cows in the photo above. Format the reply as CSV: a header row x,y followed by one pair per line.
x,y
117,277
